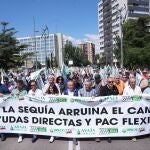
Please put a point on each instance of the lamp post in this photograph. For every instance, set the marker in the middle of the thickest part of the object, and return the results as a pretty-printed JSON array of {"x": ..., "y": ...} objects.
[
  {"x": 34, "y": 31},
  {"x": 121, "y": 21},
  {"x": 45, "y": 35}
]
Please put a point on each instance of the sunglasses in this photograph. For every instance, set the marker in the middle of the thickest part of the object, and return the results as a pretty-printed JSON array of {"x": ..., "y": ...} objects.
[
  {"x": 110, "y": 81},
  {"x": 33, "y": 85}
]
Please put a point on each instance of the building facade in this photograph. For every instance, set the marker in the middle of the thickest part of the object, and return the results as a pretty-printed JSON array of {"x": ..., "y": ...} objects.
[
  {"x": 109, "y": 12},
  {"x": 51, "y": 45},
  {"x": 88, "y": 49}
]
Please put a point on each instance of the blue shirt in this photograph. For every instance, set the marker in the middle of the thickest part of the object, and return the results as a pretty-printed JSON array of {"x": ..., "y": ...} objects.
[{"x": 4, "y": 89}]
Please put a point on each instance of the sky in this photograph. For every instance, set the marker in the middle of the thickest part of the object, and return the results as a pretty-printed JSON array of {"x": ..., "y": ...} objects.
[{"x": 76, "y": 19}]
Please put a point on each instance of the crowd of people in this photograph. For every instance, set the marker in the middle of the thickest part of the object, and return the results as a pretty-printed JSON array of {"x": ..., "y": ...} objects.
[{"x": 76, "y": 84}]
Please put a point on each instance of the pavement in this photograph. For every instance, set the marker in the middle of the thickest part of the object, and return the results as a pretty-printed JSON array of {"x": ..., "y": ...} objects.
[{"x": 143, "y": 143}]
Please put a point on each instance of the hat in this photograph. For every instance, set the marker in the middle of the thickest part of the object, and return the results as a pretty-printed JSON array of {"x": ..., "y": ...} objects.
[{"x": 97, "y": 76}]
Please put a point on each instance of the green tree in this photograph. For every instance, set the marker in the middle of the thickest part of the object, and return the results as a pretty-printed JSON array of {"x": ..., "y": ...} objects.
[
  {"x": 39, "y": 66},
  {"x": 73, "y": 53},
  {"x": 136, "y": 43},
  {"x": 10, "y": 48}
]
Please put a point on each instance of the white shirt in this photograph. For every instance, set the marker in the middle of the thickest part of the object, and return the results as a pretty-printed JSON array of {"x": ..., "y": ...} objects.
[
  {"x": 36, "y": 93},
  {"x": 129, "y": 91},
  {"x": 70, "y": 93}
]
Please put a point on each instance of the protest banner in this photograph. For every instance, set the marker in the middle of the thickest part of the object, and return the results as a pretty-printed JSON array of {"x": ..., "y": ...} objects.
[{"x": 76, "y": 117}]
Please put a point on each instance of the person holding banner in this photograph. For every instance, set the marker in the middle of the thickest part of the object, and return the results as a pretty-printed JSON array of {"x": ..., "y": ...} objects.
[
  {"x": 132, "y": 89},
  {"x": 52, "y": 90},
  {"x": 3, "y": 91},
  {"x": 108, "y": 90},
  {"x": 19, "y": 92},
  {"x": 34, "y": 92},
  {"x": 71, "y": 91}
]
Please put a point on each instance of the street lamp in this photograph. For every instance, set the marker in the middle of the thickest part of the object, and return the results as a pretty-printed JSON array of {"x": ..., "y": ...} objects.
[
  {"x": 34, "y": 32},
  {"x": 121, "y": 21},
  {"x": 45, "y": 35}
]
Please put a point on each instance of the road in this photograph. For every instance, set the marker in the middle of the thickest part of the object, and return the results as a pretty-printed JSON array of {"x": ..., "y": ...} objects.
[{"x": 63, "y": 144}]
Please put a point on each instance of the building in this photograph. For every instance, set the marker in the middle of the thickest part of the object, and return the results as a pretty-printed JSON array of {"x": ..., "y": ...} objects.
[
  {"x": 109, "y": 18},
  {"x": 52, "y": 45},
  {"x": 88, "y": 49}
]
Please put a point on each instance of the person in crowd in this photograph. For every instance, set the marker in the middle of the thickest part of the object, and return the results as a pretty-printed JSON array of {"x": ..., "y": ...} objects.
[
  {"x": 43, "y": 78},
  {"x": 19, "y": 91},
  {"x": 51, "y": 81},
  {"x": 98, "y": 84},
  {"x": 52, "y": 90},
  {"x": 87, "y": 90},
  {"x": 144, "y": 81},
  {"x": 3, "y": 91},
  {"x": 71, "y": 91},
  {"x": 77, "y": 82},
  {"x": 125, "y": 79},
  {"x": 119, "y": 84},
  {"x": 147, "y": 89},
  {"x": 108, "y": 90},
  {"x": 61, "y": 84},
  {"x": 34, "y": 92},
  {"x": 132, "y": 89},
  {"x": 34, "y": 89}
]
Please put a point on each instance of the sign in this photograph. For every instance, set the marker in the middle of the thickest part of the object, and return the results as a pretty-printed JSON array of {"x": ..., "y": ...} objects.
[{"x": 76, "y": 117}]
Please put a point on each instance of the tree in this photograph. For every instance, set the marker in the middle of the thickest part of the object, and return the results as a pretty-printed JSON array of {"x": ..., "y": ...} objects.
[
  {"x": 73, "y": 53},
  {"x": 39, "y": 66},
  {"x": 136, "y": 43},
  {"x": 10, "y": 48}
]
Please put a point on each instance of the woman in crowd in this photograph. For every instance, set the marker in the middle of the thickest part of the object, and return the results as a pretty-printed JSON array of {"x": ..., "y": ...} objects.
[
  {"x": 52, "y": 90},
  {"x": 61, "y": 84}
]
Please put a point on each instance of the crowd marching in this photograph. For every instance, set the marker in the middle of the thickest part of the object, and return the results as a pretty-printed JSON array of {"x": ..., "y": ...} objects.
[{"x": 74, "y": 81}]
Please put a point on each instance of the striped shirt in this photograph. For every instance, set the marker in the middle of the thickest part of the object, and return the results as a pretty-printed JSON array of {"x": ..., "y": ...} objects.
[{"x": 84, "y": 93}]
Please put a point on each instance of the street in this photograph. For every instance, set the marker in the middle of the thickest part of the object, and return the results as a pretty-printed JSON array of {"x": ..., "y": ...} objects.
[{"x": 143, "y": 143}]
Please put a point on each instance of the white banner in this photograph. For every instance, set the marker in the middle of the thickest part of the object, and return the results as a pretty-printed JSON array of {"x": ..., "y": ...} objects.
[{"x": 76, "y": 117}]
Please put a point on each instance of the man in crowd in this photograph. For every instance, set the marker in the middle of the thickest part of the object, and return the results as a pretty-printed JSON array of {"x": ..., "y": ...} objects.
[
  {"x": 71, "y": 91},
  {"x": 147, "y": 90},
  {"x": 119, "y": 84},
  {"x": 109, "y": 89},
  {"x": 97, "y": 84},
  {"x": 34, "y": 92},
  {"x": 132, "y": 89},
  {"x": 87, "y": 90},
  {"x": 3, "y": 91},
  {"x": 19, "y": 92},
  {"x": 125, "y": 79}
]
